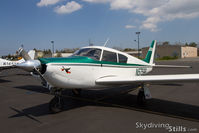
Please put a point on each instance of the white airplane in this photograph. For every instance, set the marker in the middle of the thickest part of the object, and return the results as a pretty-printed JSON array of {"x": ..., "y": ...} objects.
[
  {"x": 6, "y": 64},
  {"x": 99, "y": 67}
]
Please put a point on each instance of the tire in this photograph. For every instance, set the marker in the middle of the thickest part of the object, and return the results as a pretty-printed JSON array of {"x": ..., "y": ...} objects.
[
  {"x": 141, "y": 100},
  {"x": 76, "y": 92},
  {"x": 56, "y": 105}
]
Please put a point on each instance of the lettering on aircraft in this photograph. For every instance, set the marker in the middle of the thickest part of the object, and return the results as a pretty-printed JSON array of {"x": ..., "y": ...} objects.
[
  {"x": 140, "y": 71},
  {"x": 9, "y": 63}
]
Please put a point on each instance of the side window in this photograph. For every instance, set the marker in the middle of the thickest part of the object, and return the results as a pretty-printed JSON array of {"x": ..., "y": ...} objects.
[
  {"x": 109, "y": 56},
  {"x": 122, "y": 58}
]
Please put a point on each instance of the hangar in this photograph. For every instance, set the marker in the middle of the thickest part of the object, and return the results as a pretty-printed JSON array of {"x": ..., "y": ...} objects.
[{"x": 173, "y": 51}]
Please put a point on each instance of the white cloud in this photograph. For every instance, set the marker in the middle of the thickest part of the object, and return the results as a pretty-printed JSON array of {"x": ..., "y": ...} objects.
[
  {"x": 130, "y": 26},
  {"x": 122, "y": 4},
  {"x": 97, "y": 1},
  {"x": 47, "y": 2},
  {"x": 155, "y": 11},
  {"x": 68, "y": 8}
]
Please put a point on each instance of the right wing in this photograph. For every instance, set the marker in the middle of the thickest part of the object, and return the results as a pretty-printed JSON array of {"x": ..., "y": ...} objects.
[{"x": 114, "y": 80}]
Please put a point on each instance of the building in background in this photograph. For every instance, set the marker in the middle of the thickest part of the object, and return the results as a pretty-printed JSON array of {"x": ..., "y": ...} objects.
[
  {"x": 41, "y": 54},
  {"x": 62, "y": 54},
  {"x": 177, "y": 51},
  {"x": 134, "y": 53}
]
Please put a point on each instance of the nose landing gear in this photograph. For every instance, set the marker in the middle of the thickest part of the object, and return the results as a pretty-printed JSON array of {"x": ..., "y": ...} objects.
[
  {"x": 77, "y": 92},
  {"x": 56, "y": 105}
]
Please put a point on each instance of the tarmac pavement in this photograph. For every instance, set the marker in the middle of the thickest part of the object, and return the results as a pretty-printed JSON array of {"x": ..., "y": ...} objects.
[{"x": 24, "y": 106}]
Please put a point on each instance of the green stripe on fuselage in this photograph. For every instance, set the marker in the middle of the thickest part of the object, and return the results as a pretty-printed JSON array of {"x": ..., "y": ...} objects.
[{"x": 81, "y": 59}]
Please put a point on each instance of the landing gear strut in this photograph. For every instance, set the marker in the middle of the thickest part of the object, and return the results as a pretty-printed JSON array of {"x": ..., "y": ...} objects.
[
  {"x": 143, "y": 95},
  {"x": 76, "y": 92},
  {"x": 56, "y": 105}
]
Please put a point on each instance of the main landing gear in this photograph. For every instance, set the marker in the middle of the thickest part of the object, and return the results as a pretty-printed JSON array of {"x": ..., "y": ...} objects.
[
  {"x": 143, "y": 95},
  {"x": 56, "y": 105},
  {"x": 76, "y": 92}
]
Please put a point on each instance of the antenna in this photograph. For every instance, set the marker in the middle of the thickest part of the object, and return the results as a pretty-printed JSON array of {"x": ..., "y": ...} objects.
[
  {"x": 106, "y": 42},
  {"x": 90, "y": 44}
]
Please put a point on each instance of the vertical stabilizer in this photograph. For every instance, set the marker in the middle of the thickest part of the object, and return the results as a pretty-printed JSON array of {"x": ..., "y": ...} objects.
[
  {"x": 27, "y": 56},
  {"x": 151, "y": 53},
  {"x": 31, "y": 53}
]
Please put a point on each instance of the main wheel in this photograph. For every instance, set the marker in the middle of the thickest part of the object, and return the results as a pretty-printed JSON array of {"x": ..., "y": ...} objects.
[
  {"x": 141, "y": 100},
  {"x": 56, "y": 105},
  {"x": 76, "y": 92}
]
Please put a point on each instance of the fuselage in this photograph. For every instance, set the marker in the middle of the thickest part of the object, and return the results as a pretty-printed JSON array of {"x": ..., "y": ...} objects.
[
  {"x": 82, "y": 69},
  {"x": 7, "y": 63}
]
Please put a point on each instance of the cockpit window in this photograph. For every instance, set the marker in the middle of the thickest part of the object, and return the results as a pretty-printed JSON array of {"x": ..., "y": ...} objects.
[
  {"x": 122, "y": 58},
  {"x": 109, "y": 56},
  {"x": 93, "y": 53}
]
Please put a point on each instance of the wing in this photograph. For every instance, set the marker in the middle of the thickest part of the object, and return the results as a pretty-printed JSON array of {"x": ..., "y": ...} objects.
[{"x": 114, "y": 80}]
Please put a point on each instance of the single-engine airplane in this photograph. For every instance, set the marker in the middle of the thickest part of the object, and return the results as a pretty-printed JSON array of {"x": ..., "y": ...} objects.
[
  {"x": 6, "y": 64},
  {"x": 99, "y": 67}
]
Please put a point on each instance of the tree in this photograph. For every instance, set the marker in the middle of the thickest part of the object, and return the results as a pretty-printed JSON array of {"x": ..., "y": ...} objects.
[
  {"x": 192, "y": 44},
  {"x": 129, "y": 49},
  {"x": 59, "y": 54},
  {"x": 165, "y": 43}
]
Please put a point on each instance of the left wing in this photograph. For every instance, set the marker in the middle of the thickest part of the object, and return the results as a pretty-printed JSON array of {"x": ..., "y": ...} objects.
[{"x": 114, "y": 80}]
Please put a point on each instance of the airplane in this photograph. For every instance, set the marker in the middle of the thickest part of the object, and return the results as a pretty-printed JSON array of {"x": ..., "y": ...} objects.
[
  {"x": 100, "y": 67},
  {"x": 7, "y": 64}
]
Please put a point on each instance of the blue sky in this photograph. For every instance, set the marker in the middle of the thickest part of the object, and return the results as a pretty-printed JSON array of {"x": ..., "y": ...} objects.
[{"x": 71, "y": 23}]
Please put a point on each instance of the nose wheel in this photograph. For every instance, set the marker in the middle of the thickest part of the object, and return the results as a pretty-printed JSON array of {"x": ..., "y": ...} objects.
[
  {"x": 77, "y": 92},
  {"x": 56, "y": 105},
  {"x": 141, "y": 100}
]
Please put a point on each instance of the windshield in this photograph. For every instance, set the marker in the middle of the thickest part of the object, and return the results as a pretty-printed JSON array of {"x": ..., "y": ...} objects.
[{"x": 93, "y": 53}]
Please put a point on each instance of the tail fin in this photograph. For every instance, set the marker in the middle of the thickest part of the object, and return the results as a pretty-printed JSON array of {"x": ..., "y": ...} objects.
[
  {"x": 27, "y": 56},
  {"x": 31, "y": 53},
  {"x": 151, "y": 53}
]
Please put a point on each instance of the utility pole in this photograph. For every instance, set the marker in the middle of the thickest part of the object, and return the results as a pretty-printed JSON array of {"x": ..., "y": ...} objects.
[
  {"x": 138, "y": 34},
  {"x": 52, "y": 48}
]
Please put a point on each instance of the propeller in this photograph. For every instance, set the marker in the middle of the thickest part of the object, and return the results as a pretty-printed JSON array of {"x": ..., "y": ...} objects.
[{"x": 35, "y": 67}]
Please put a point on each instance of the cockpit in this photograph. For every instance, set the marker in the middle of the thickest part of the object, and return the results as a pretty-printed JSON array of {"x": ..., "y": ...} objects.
[
  {"x": 102, "y": 55},
  {"x": 93, "y": 53}
]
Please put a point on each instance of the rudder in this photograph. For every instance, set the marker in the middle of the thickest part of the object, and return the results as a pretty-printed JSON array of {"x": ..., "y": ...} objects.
[{"x": 151, "y": 53}]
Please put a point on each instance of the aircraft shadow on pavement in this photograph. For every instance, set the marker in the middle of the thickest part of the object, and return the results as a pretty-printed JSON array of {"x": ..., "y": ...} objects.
[
  {"x": 3, "y": 80},
  {"x": 33, "y": 88},
  {"x": 112, "y": 98},
  {"x": 23, "y": 74}
]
